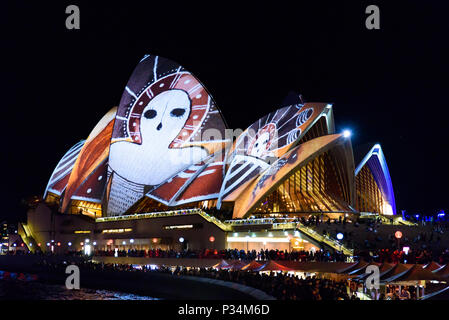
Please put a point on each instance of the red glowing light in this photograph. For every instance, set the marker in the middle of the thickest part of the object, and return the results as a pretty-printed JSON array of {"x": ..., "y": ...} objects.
[
  {"x": 398, "y": 234},
  {"x": 211, "y": 238}
]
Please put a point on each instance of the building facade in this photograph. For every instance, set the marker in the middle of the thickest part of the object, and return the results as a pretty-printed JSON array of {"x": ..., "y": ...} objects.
[{"x": 163, "y": 167}]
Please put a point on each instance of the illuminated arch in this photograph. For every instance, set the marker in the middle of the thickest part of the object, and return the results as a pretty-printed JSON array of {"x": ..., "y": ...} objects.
[{"x": 374, "y": 167}]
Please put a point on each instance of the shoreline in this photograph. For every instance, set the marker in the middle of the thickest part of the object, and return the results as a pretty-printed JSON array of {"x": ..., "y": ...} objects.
[{"x": 153, "y": 284}]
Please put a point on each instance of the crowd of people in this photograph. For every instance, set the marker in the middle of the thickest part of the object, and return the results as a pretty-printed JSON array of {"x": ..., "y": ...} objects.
[
  {"x": 420, "y": 256},
  {"x": 230, "y": 254},
  {"x": 377, "y": 238},
  {"x": 279, "y": 285},
  {"x": 283, "y": 286}
]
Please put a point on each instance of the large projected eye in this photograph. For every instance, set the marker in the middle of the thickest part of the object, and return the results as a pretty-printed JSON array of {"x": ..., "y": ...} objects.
[
  {"x": 150, "y": 114},
  {"x": 178, "y": 112}
]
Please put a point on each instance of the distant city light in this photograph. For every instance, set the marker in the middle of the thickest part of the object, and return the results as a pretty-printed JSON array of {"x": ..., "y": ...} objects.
[
  {"x": 339, "y": 236},
  {"x": 398, "y": 234},
  {"x": 69, "y": 244},
  {"x": 131, "y": 240},
  {"x": 181, "y": 239},
  {"x": 347, "y": 133},
  {"x": 211, "y": 238},
  {"x": 406, "y": 249}
]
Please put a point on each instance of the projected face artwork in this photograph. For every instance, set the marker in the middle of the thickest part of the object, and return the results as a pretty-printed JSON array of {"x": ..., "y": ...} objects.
[
  {"x": 161, "y": 121},
  {"x": 265, "y": 141},
  {"x": 157, "y": 131},
  {"x": 260, "y": 145}
]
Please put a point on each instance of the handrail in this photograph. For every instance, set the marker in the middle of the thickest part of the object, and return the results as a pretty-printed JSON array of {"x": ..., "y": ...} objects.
[
  {"x": 329, "y": 241},
  {"x": 286, "y": 223},
  {"x": 215, "y": 221},
  {"x": 257, "y": 221},
  {"x": 161, "y": 214}
]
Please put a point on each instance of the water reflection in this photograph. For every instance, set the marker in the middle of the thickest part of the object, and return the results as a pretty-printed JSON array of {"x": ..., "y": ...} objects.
[{"x": 14, "y": 290}]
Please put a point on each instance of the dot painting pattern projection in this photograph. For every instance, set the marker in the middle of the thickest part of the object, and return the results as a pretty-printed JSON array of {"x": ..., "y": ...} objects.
[
  {"x": 264, "y": 142},
  {"x": 158, "y": 132}
]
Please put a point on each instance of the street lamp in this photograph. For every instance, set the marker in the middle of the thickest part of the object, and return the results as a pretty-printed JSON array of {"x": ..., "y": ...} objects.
[
  {"x": 340, "y": 237},
  {"x": 398, "y": 235},
  {"x": 347, "y": 133},
  {"x": 212, "y": 240}
]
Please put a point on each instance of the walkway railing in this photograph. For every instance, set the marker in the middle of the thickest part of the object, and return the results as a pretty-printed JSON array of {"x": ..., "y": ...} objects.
[
  {"x": 277, "y": 224},
  {"x": 290, "y": 223},
  {"x": 172, "y": 213},
  {"x": 321, "y": 238}
]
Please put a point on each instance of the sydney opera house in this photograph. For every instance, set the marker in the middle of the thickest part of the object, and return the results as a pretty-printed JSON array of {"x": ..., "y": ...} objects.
[{"x": 163, "y": 170}]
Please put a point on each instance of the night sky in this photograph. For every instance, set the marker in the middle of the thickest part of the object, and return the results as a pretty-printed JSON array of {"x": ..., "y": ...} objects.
[{"x": 387, "y": 86}]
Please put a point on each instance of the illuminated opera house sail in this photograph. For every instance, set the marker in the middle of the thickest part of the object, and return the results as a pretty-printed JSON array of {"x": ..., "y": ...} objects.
[
  {"x": 166, "y": 147},
  {"x": 373, "y": 184}
]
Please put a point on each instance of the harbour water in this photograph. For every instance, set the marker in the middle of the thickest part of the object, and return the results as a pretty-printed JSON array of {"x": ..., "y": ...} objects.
[{"x": 18, "y": 290}]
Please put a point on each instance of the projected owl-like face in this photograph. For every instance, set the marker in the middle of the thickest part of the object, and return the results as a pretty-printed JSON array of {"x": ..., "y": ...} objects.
[
  {"x": 261, "y": 145},
  {"x": 164, "y": 117}
]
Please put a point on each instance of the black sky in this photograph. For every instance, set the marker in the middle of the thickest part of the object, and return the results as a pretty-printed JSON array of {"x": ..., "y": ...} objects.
[{"x": 387, "y": 85}]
